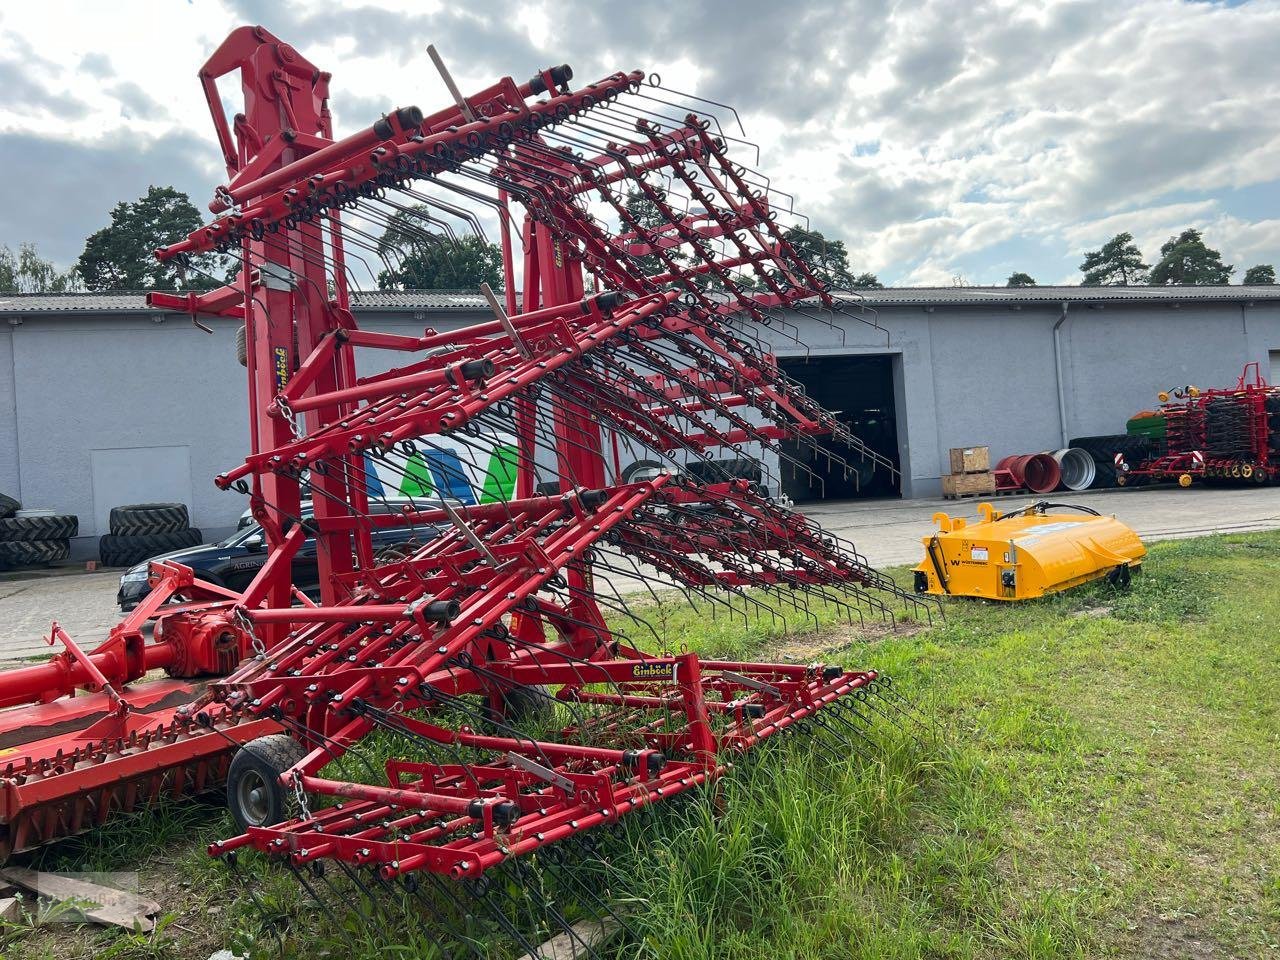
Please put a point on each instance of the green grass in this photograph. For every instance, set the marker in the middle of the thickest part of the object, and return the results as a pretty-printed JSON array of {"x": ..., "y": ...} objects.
[{"x": 1107, "y": 784}]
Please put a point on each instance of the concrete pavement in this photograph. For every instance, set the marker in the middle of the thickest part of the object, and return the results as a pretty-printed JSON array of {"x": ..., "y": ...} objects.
[{"x": 887, "y": 532}]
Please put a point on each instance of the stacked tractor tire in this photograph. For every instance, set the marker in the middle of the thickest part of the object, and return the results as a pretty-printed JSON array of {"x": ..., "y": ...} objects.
[
  {"x": 33, "y": 538},
  {"x": 1103, "y": 449},
  {"x": 144, "y": 530}
]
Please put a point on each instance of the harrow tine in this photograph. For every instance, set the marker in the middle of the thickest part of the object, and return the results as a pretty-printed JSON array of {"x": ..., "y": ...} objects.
[
  {"x": 549, "y": 907},
  {"x": 478, "y": 892}
]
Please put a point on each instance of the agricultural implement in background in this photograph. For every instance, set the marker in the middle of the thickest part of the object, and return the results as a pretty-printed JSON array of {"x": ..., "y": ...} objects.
[
  {"x": 1026, "y": 553},
  {"x": 527, "y": 699},
  {"x": 1228, "y": 435}
]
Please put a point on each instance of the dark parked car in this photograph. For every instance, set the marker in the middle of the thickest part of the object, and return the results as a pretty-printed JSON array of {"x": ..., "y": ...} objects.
[{"x": 234, "y": 562}]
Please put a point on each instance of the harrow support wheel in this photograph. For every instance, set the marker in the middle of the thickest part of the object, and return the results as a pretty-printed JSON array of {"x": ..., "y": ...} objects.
[
  {"x": 1122, "y": 479},
  {"x": 530, "y": 706},
  {"x": 255, "y": 795}
]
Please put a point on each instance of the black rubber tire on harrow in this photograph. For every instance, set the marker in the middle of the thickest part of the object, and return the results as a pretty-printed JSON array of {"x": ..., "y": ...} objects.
[
  {"x": 38, "y": 528},
  {"x": 33, "y": 553},
  {"x": 140, "y": 519},
  {"x": 255, "y": 796},
  {"x": 640, "y": 466},
  {"x": 116, "y": 551},
  {"x": 521, "y": 706},
  {"x": 8, "y": 505}
]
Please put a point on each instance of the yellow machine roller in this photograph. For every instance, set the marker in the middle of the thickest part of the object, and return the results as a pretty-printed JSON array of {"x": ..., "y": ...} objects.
[{"x": 1027, "y": 553}]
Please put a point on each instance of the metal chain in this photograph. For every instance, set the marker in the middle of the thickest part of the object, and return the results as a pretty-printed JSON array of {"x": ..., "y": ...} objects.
[
  {"x": 255, "y": 642},
  {"x": 290, "y": 417},
  {"x": 300, "y": 795}
]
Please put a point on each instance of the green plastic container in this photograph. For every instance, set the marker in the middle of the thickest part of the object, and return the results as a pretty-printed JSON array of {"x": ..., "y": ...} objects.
[{"x": 1153, "y": 428}]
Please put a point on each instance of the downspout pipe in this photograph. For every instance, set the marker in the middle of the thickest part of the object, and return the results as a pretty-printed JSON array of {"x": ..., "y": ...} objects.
[{"x": 1057, "y": 369}]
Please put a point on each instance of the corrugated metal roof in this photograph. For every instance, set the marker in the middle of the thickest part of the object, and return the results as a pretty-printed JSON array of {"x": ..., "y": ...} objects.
[
  {"x": 135, "y": 302},
  {"x": 466, "y": 301},
  {"x": 948, "y": 296}
]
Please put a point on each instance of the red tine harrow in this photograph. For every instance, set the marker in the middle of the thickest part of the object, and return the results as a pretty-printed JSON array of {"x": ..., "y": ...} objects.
[{"x": 489, "y": 689}]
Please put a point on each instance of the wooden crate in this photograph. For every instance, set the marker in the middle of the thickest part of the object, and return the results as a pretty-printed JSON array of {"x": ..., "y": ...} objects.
[
  {"x": 969, "y": 484},
  {"x": 970, "y": 460}
]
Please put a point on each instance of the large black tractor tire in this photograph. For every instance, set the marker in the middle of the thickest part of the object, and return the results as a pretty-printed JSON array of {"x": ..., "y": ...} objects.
[
  {"x": 1104, "y": 475},
  {"x": 116, "y": 551},
  {"x": 8, "y": 505},
  {"x": 255, "y": 795},
  {"x": 1103, "y": 449},
  {"x": 33, "y": 553},
  {"x": 140, "y": 519},
  {"x": 38, "y": 528}
]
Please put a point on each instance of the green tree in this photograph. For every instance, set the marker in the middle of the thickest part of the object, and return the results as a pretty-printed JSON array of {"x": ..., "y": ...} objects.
[
  {"x": 648, "y": 217},
  {"x": 420, "y": 259},
  {"x": 1117, "y": 264},
  {"x": 828, "y": 259},
  {"x": 1185, "y": 259},
  {"x": 121, "y": 256},
  {"x": 1263, "y": 275},
  {"x": 27, "y": 272},
  {"x": 866, "y": 281},
  {"x": 1020, "y": 279}
]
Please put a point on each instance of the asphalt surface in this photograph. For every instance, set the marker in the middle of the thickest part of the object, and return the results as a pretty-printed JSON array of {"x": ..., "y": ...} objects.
[{"x": 886, "y": 532}]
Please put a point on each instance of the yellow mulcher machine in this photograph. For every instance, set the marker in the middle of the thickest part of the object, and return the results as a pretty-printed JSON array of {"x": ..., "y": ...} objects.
[{"x": 1026, "y": 553}]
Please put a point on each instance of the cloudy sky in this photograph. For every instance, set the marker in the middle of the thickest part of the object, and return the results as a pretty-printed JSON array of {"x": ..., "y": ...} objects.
[{"x": 938, "y": 139}]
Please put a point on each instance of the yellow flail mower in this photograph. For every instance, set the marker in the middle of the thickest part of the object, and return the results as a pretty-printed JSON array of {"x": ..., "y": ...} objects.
[{"x": 1026, "y": 553}]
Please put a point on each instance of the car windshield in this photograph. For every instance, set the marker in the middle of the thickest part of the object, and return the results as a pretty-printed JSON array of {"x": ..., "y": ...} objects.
[{"x": 238, "y": 538}]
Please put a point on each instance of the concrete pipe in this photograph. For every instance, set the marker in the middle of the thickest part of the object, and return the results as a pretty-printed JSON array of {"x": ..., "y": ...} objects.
[
  {"x": 1077, "y": 468},
  {"x": 1038, "y": 472}
]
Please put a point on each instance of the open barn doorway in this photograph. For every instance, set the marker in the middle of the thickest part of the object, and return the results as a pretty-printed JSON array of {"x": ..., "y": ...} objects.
[{"x": 859, "y": 390}]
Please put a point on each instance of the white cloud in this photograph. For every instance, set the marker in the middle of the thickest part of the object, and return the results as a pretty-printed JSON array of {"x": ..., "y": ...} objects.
[{"x": 932, "y": 137}]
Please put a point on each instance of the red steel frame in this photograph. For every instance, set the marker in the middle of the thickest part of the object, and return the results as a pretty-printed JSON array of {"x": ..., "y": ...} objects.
[
  {"x": 1186, "y": 456},
  {"x": 500, "y": 596}
]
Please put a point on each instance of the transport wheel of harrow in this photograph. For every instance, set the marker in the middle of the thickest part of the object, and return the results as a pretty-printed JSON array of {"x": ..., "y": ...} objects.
[
  {"x": 642, "y": 470},
  {"x": 140, "y": 519},
  {"x": 519, "y": 707},
  {"x": 1260, "y": 475},
  {"x": 1122, "y": 480},
  {"x": 255, "y": 795},
  {"x": 39, "y": 528},
  {"x": 8, "y": 505},
  {"x": 242, "y": 345}
]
